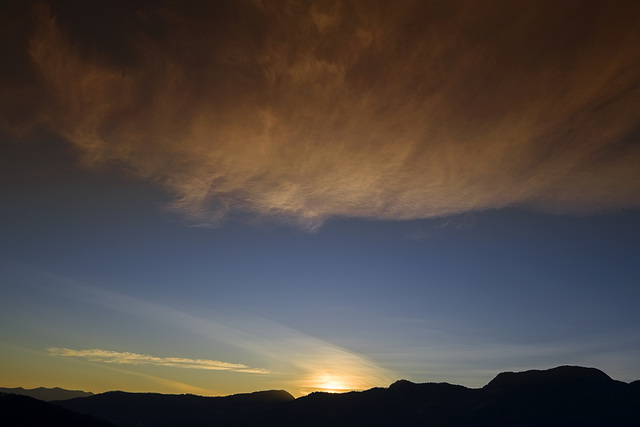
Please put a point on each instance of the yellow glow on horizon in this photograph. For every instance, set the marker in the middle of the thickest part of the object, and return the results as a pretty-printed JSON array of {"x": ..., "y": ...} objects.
[{"x": 331, "y": 383}]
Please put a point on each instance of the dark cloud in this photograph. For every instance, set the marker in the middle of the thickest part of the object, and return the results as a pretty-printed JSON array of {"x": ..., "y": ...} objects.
[{"x": 307, "y": 110}]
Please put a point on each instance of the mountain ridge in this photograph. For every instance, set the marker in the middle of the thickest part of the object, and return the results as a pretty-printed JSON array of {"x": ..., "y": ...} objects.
[
  {"x": 25, "y": 411},
  {"x": 156, "y": 409},
  {"x": 565, "y": 395},
  {"x": 47, "y": 394}
]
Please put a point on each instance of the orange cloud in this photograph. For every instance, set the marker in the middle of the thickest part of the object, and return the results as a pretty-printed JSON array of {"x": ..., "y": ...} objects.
[{"x": 303, "y": 112}]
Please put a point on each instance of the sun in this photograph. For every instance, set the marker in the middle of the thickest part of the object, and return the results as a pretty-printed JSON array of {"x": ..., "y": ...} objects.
[{"x": 331, "y": 384}]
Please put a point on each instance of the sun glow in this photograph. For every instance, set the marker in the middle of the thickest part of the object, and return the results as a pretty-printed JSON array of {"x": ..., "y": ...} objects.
[{"x": 332, "y": 384}]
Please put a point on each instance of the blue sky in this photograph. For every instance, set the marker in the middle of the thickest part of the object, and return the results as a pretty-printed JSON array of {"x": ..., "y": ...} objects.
[
  {"x": 330, "y": 202},
  {"x": 93, "y": 260}
]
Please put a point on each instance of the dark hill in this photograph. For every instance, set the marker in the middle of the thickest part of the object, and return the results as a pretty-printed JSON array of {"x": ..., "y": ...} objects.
[
  {"x": 24, "y": 411},
  {"x": 157, "y": 410},
  {"x": 403, "y": 403},
  {"x": 567, "y": 395},
  {"x": 562, "y": 375},
  {"x": 563, "y": 396},
  {"x": 47, "y": 394}
]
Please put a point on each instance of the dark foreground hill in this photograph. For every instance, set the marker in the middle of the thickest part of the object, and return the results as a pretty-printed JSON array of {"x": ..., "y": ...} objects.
[
  {"x": 563, "y": 396},
  {"x": 47, "y": 394},
  {"x": 24, "y": 411},
  {"x": 157, "y": 410}
]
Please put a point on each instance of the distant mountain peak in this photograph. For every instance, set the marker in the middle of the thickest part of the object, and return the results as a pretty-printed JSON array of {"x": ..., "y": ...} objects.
[
  {"x": 562, "y": 374},
  {"x": 47, "y": 394},
  {"x": 401, "y": 384}
]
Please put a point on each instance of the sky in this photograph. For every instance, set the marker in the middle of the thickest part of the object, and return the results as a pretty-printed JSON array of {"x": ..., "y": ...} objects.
[{"x": 230, "y": 196}]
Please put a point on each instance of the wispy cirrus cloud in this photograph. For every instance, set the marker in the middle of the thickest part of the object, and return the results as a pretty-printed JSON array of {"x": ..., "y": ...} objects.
[
  {"x": 127, "y": 358},
  {"x": 303, "y": 111},
  {"x": 292, "y": 355}
]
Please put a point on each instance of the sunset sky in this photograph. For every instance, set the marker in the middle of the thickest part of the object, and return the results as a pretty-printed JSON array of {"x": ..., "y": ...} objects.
[{"x": 229, "y": 196}]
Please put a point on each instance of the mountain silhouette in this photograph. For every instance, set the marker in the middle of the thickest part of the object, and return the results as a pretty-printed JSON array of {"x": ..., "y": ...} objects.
[
  {"x": 25, "y": 411},
  {"x": 47, "y": 394},
  {"x": 562, "y": 396},
  {"x": 154, "y": 409},
  {"x": 567, "y": 395}
]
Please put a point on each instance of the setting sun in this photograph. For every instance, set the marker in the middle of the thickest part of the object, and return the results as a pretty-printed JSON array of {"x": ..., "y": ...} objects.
[{"x": 329, "y": 383}]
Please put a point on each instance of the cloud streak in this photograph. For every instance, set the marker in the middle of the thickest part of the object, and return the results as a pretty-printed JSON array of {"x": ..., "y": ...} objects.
[
  {"x": 126, "y": 358},
  {"x": 303, "y": 111},
  {"x": 293, "y": 356}
]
